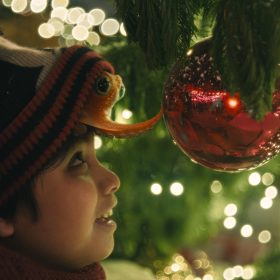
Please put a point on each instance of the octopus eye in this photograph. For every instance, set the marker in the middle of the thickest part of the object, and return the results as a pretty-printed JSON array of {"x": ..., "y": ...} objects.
[{"x": 102, "y": 86}]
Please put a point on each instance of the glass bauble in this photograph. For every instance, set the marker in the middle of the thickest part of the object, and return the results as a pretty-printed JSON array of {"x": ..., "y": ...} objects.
[{"x": 212, "y": 126}]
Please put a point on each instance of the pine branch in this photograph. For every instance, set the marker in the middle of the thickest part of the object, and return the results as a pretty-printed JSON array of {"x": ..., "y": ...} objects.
[
  {"x": 163, "y": 28},
  {"x": 246, "y": 49}
]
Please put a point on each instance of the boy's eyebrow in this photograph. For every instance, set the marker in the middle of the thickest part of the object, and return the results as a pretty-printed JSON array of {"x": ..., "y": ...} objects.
[{"x": 78, "y": 141}]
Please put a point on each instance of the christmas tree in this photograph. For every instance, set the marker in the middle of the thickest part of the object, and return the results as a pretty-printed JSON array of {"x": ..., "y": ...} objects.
[{"x": 178, "y": 218}]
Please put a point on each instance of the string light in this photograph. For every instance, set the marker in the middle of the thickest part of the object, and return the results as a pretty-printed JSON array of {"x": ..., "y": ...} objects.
[
  {"x": 80, "y": 33},
  {"x": 38, "y": 6},
  {"x": 86, "y": 20},
  {"x": 97, "y": 142},
  {"x": 59, "y": 12},
  {"x": 98, "y": 15},
  {"x": 266, "y": 203},
  {"x": 126, "y": 114},
  {"x": 254, "y": 178},
  {"x": 122, "y": 29},
  {"x": 271, "y": 192},
  {"x": 267, "y": 179},
  {"x": 176, "y": 188},
  {"x": 264, "y": 236},
  {"x": 246, "y": 231},
  {"x": 59, "y": 3},
  {"x": 110, "y": 27},
  {"x": 57, "y": 25},
  {"x": 237, "y": 271},
  {"x": 19, "y": 6},
  {"x": 72, "y": 19},
  {"x": 7, "y": 3},
  {"x": 229, "y": 222},
  {"x": 216, "y": 186},
  {"x": 156, "y": 189},
  {"x": 93, "y": 38},
  {"x": 179, "y": 269},
  {"x": 74, "y": 14},
  {"x": 246, "y": 272},
  {"x": 230, "y": 209},
  {"x": 46, "y": 30}
]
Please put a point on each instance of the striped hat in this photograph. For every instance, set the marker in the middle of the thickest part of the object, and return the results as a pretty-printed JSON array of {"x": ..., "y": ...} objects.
[{"x": 42, "y": 93}]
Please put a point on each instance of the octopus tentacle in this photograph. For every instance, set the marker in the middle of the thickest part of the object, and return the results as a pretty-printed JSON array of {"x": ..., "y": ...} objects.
[
  {"x": 97, "y": 112},
  {"x": 111, "y": 128}
]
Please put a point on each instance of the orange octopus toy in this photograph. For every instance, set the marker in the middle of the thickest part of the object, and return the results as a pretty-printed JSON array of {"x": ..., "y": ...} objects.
[{"x": 97, "y": 113}]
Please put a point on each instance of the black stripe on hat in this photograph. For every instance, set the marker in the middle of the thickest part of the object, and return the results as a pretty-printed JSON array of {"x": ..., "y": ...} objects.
[
  {"x": 18, "y": 85},
  {"x": 45, "y": 106},
  {"x": 48, "y": 139}
]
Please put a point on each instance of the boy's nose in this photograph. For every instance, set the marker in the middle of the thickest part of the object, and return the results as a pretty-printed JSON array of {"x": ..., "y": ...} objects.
[{"x": 110, "y": 183}]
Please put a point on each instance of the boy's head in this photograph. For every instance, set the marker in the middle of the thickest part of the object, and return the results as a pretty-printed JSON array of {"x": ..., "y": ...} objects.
[{"x": 51, "y": 102}]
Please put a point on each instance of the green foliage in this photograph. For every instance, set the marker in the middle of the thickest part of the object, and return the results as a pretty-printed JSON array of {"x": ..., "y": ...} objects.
[
  {"x": 163, "y": 29},
  {"x": 246, "y": 39},
  {"x": 268, "y": 267},
  {"x": 154, "y": 227},
  {"x": 247, "y": 50}
]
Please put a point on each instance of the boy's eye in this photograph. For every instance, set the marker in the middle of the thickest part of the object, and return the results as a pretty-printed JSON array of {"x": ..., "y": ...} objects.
[{"x": 77, "y": 160}]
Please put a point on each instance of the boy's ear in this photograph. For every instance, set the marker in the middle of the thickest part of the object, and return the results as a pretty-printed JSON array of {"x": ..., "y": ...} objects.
[{"x": 6, "y": 228}]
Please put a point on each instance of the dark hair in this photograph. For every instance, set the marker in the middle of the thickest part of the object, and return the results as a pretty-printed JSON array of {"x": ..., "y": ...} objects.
[{"x": 25, "y": 196}]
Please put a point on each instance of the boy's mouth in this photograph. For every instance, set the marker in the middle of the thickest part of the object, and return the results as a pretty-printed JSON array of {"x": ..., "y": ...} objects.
[{"x": 105, "y": 217}]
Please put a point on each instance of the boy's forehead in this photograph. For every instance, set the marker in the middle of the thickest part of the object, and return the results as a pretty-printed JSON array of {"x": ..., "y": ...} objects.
[{"x": 81, "y": 134}]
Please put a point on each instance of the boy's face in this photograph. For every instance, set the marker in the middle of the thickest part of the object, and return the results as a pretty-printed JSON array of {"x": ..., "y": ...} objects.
[{"x": 72, "y": 196}]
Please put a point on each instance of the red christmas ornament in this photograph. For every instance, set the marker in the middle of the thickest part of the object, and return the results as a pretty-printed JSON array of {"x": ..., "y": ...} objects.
[{"x": 211, "y": 126}]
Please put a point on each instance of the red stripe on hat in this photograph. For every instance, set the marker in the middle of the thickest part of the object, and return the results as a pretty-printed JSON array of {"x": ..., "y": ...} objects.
[
  {"x": 43, "y": 91},
  {"x": 38, "y": 132},
  {"x": 51, "y": 149}
]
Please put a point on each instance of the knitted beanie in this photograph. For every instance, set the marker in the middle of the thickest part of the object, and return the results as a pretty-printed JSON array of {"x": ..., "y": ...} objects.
[{"x": 42, "y": 93}]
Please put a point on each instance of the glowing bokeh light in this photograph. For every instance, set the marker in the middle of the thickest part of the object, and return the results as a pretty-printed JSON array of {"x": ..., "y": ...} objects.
[
  {"x": 98, "y": 15},
  {"x": 230, "y": 209},
  {"x": 38, "y": 6},
  {"x": 248, "y": 272},
  {"x": 216, "y": 186},
  {"x": 246, "y": 231},
  {"x": 93, "y": 38},
  {"x": 110, "y": 27},
  {"x": 80, "y": 32},
  {"x": 266, "y": 203},
  {"x": 237, "y": 271},
  {"x": 207, "y": 277},
  {"x": 86, "y": 20},
  {"x": 264, "y": 236},
  {"x": 19, "y": 6},
  {"x": 59, "y": 12},
  {"x": 74, "y": 14},
  {"x": 254, "y": 178},
  {"x": 122, "y": 29},
  {"x": 176, "y": 188},
  {"x": 59, "y": 3},
  {"x": 58, "y": 25},
  {"x": 126, "y": 114},
  {"x": 46, "y": 30},
  {"x": 7, "y": 3},
  {"x": 271, "y": 192},
  {"x": 228, "y": 273},
  {"x": 229, "y": 222},
  {"x": 156, "y": 189},
  {"x": 267, "y": 179},
  {"x": 97, "y": 142}
]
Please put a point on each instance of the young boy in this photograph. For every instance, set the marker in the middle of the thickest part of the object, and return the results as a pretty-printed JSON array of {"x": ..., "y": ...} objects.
[{"x": 56, "y": 198}]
